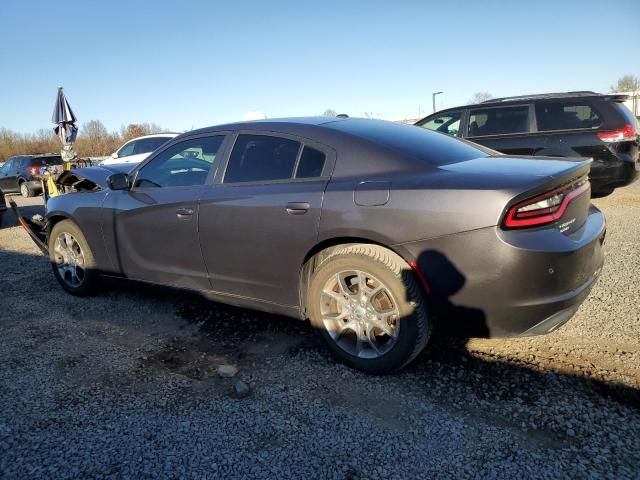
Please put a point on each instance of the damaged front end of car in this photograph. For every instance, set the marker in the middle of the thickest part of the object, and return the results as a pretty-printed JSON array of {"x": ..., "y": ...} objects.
[{"x": 76, "y": 180}]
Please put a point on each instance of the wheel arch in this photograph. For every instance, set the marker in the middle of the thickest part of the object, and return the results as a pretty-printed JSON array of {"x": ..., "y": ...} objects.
[{"x": 326, "y": 247}]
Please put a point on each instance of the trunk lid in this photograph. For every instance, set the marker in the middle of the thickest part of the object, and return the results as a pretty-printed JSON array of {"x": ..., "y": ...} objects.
[{"x": 530, "y": 180}]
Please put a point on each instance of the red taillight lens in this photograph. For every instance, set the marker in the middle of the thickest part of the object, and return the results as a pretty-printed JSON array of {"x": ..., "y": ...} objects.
[
  {"x": 545, "y": 208},
  {"x": 33, "y": 170},
  {"x": 628, "y": 132}
]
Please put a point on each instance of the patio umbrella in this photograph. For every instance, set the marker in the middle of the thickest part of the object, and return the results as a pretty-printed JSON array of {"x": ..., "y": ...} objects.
[{"x": 64, "y": 119}]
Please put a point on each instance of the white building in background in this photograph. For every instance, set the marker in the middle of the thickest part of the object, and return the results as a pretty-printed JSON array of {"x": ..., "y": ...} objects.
[{"x": 633, "y": 102}]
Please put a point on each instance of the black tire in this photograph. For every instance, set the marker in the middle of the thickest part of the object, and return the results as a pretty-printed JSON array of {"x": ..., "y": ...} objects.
[
  {"x": 89, "y": 282},
  {"x": 404, "y": 287},
  {"x": 25, "y": 190}
]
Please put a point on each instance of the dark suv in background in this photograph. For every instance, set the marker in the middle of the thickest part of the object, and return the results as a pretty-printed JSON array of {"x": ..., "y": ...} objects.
[
  {"x": 19, "y": 173},
  {"x": 573, "y": 124}
]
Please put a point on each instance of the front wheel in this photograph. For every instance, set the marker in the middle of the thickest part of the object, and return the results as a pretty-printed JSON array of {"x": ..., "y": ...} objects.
[
  {"x": 368, "y": 306},
  {"x": 72, "y": 260}
]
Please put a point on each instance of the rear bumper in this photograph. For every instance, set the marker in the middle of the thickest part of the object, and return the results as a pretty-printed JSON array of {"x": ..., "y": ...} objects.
[
  {"x": 613, "y": 172},
  {"x": 494, "y": 283}
]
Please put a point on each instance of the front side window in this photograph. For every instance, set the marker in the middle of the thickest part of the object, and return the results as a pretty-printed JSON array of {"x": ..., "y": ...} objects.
[
  {"x": 498, "y": 121},
  {"x": 565, "y": 116},
  {"x": 127, "y": 149},
  {"x": 260, "y": 158},
  {"x": 446, "y": 123},
  {"x": 184, "y": 164},
  {"x": 146, "y": 145}
]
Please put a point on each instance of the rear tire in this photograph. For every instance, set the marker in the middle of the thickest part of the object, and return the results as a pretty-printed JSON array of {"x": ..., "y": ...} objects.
[
  {"x": 72, "y": 260},
  {"x": 369, "y": 307},
  {"x": 25, "y": 191}
]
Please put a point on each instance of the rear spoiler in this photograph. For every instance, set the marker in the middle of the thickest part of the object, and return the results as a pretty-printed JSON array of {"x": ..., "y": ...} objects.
[
  {"x": 30, "y": 228},
  {"x": 617, "y": 97}
]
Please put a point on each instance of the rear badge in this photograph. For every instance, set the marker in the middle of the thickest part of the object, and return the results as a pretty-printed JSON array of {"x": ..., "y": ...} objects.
[{"x": 563, "y": 227}]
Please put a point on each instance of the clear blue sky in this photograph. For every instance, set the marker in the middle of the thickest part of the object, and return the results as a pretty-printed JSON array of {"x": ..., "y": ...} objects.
[{"x": 196, "y": 63}]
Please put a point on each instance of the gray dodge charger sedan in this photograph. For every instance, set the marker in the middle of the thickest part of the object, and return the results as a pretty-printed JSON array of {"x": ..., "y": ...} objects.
[{"x": 376, "y": 232}]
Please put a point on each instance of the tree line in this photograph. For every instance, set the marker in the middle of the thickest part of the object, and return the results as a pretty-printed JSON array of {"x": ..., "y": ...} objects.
[{"x": 94, "y": 140}]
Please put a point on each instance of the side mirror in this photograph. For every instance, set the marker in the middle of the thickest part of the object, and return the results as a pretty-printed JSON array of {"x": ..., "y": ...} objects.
[
  {"x": 114, "y": 155},
  {"x": 118, "y": 181}
]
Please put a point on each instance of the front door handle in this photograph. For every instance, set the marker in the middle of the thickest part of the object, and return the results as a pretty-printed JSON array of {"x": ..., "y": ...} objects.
[
  {"x": 298, "y": 208},
  {"x": 184, "y": 213}
]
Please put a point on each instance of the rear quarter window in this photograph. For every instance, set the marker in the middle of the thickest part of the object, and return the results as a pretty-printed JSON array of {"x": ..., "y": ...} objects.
[{"x": 566, "y": 116}]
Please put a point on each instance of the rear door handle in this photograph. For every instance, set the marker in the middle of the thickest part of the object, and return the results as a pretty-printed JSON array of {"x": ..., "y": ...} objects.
[
  {"x": 298, "y": 208},
  {"x": 184, "y": 213}
]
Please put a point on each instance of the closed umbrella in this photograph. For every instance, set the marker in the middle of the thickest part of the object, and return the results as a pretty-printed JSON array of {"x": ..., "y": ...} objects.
[{"x": 65, "y": 128}]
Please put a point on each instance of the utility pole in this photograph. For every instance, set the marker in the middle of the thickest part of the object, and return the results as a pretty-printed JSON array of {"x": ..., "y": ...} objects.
[{"x": 433, "y": 99}]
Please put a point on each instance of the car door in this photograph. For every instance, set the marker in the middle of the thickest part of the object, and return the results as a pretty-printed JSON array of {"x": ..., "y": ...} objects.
[
  {"x": 261, "y": 218},
  {"x": 151, "y": 228},
  {"x": 506, "y": 129}
]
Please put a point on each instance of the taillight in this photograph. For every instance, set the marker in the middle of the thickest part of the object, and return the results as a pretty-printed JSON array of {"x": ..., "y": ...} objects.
[
  {"x": 628, "y": 132},
  {"x": 33, "y": 170},
  {"x": 545, "y": 208}
]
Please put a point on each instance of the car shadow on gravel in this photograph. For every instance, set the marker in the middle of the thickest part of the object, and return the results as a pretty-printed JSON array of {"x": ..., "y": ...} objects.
[{"x": 227, "y": 334}]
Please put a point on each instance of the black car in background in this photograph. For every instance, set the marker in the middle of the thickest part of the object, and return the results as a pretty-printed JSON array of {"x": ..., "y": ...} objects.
[
  {"x": 18, "y": 174},
  {"x": 573, "y": 124}
]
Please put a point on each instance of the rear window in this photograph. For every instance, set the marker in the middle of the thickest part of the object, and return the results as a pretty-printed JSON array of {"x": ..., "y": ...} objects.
[
  {"x": 260, "y": 158},
  {"x": 46, "y": 161},
  {"x": 416, "y": 142},
  {"x": 498, "y": 121},
  {"x": 565, "y": 116}
]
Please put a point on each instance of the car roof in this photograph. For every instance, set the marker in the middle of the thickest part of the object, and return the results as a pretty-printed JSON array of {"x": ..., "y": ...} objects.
[
  {"x": 156, "y": 135},
  {"x": 553, "y": 96},
  {"x": 493, "y": 102}
]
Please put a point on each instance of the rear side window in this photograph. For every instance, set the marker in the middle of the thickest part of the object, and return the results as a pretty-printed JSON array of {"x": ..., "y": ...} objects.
[
  {"x": 260, "y": 158},
  {"x": 565, "y": 116},
  {"x": 311, "y": 163},
  {"x": 498, "y": 121}
]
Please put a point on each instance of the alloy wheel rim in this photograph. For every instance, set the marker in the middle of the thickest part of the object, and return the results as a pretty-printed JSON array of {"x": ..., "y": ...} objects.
[
  {"x": 69, "y": 259},
  {"x": 360, "y": 314},
  {"x": 23, "y": 190}
]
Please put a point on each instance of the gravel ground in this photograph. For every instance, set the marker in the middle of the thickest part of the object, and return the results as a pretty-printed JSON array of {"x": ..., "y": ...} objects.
[{"x": 124, "y": 385}]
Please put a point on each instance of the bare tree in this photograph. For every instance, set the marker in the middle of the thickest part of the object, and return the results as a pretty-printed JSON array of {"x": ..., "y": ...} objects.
[
  {"x": 628, "y": 83},
  {"x": 329, "y": 113},
  {"x": 480, "y": 97}
]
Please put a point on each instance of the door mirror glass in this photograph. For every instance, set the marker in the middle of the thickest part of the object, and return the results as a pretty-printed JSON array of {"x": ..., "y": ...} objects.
[{"x": 118, "y": 181}]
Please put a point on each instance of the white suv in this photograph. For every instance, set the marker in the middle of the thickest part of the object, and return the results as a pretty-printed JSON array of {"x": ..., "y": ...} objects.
[{"x": 136, "y": 150}]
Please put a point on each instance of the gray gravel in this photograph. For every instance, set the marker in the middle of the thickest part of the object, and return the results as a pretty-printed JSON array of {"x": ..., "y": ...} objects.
[{"x": 125, "y": 385}]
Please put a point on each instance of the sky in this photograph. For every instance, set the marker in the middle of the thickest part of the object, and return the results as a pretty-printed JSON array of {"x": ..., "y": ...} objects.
[{"x": 191, "y": 64}]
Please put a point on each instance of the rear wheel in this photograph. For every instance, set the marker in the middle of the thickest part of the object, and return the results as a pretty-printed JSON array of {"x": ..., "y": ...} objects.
[
  {"x": 25, "y": 191},
  {"x": 72, "y": 260},
  {"x": 369, "y": 308}
]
